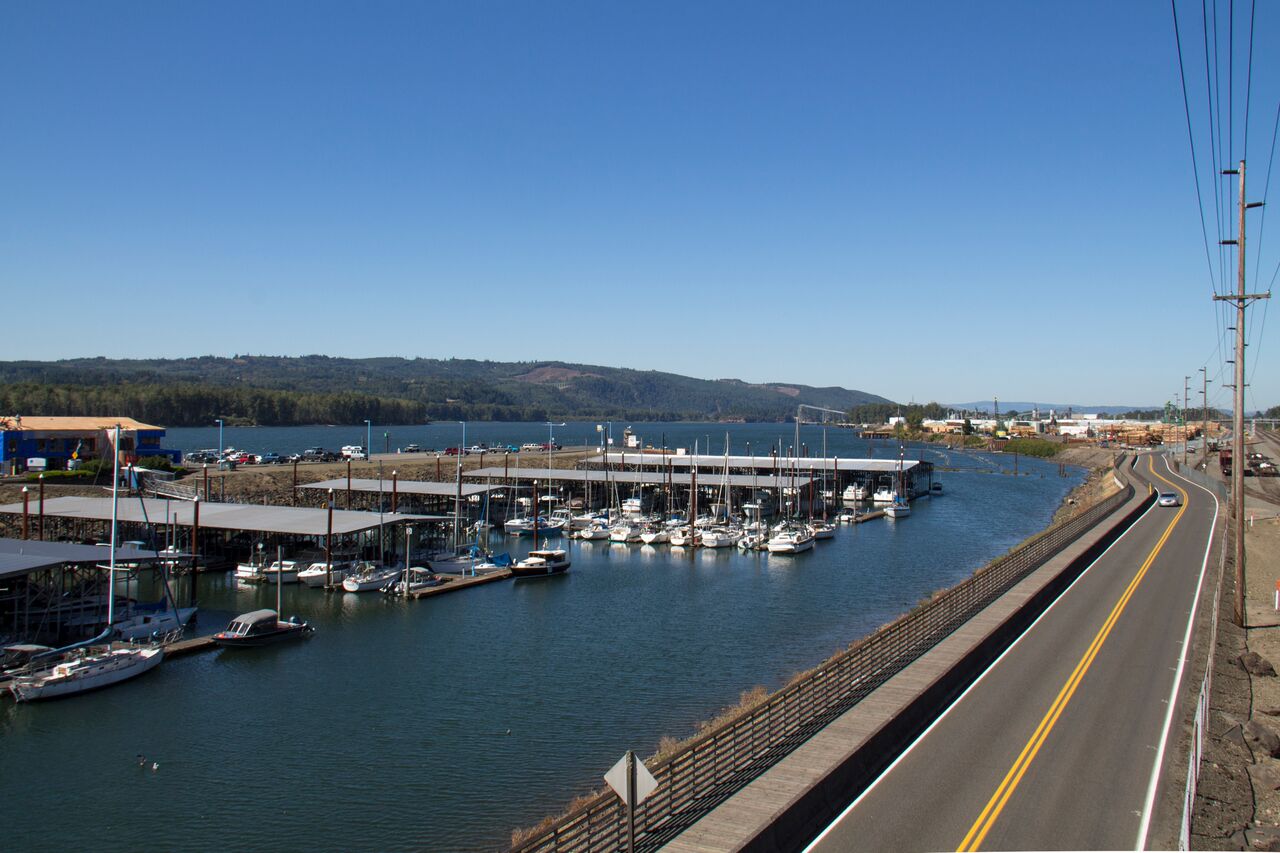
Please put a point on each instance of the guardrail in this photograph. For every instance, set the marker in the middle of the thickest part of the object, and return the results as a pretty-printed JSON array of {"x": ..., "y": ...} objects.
[{"x": 718, "y": 763}]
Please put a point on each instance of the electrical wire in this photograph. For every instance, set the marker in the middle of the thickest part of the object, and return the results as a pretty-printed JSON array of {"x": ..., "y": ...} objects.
[{"x": 1195, "y": 168}]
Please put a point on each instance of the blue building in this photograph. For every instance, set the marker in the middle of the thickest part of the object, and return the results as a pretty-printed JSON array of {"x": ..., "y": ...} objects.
[{"x": 24, "y": 441}]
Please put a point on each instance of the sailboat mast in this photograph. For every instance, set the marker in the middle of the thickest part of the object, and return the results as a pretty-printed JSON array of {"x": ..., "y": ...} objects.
[{"x": 115, "y": 518}]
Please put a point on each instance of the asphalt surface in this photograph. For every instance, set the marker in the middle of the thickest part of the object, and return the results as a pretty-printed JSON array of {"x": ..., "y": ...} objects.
[{"x": 1056, "y": 744}]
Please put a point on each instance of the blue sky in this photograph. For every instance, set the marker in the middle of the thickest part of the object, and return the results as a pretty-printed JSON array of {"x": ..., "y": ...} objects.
[{"x": 923, "y": 200}]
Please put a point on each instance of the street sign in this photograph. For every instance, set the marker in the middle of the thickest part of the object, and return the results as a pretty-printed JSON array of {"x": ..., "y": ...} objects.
[{"x": 619, "y": 780}]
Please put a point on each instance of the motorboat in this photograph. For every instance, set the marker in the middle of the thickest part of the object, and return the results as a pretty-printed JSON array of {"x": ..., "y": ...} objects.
[
  {"x": 367, "y": 576},
  {"x": 250, "y": 573},
  {"x": 551, "y": 561},
  {"x": 419, "y": 578},
  {"x": 935, "y": 488},
  {"x": 594, "y": 531},
  {"x": 261, "y": 628},
  {"x": 89, "y": 669},
  {"x": 822, "y": 529},
  {"x": 524, "y": 526},
  {"x": 790, "y": 540},
  {"x": 847, "y": 516},
  {"x": 756, "y": 541},
  {"x": 854, "y": 492},
  {"x": 884, "y": 495},
  {"x": 317, "y": 574},
  {"x": 681, "y": 536},
  {"x": 281, "y": 571}
]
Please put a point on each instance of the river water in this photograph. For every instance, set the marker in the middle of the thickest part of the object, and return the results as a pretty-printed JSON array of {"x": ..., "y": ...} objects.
[{"x": 444, "y": 723}]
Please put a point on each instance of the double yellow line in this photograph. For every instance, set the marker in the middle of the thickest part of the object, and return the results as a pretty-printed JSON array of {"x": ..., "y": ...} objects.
[{"x": 996, "y": 804}]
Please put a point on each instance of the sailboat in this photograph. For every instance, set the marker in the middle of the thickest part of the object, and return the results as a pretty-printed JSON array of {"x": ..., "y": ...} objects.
[
  {"x": 899, "y": 508},
  {"x": 86, "y": 666},
  {"x": 539, "y": 563}
]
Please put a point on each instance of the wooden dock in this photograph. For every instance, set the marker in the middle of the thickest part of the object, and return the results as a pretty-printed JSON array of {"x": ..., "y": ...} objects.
[
  {"x": 454, "y": 584},
  {"x": 186, "y": 647},
  {"x": 867, "y": 516}
]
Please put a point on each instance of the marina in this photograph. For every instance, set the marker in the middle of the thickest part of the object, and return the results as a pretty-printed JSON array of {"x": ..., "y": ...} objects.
[{"x": 624, "y": 636}]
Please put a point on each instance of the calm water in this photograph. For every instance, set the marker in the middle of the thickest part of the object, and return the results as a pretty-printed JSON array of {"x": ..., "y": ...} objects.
[{"x": 443, "y": 724}]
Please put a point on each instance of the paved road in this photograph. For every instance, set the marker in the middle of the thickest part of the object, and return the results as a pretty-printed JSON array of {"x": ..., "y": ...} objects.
[{"x": 1055, "y": 746}]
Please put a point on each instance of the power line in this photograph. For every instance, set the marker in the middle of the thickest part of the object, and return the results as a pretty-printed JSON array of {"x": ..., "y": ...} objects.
[{"x": 1195, "y": 168}]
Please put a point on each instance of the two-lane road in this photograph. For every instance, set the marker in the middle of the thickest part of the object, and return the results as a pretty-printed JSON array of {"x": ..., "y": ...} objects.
[{"x": 1058, "y": 743}]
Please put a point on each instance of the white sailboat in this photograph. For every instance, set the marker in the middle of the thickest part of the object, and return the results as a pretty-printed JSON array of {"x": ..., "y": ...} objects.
[
  {"x": 900, "y": 508},
  {"x": 91, "y": 667}
]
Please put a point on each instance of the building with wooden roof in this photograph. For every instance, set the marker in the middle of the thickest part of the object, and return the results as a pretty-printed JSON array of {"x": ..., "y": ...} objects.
[{"x": 48, "y": 443}]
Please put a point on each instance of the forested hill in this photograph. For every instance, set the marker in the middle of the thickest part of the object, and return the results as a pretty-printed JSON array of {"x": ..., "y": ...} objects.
[{"x": 272, "y": 390}]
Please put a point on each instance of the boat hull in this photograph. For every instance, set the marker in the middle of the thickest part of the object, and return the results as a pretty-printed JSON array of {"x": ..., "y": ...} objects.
[
  {"x": 284, "y": 631},
  {"x": 111, "y": 667}
]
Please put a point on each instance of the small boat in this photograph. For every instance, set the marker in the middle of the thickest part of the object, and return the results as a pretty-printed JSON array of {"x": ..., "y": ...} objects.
[
  {"x": 261, "y": 628},
  {"x": 250, "y": 573},
  {"x": 898, "y": 509},
  {"x": 935, "y": 488},
  {"x": 718, "y": 537},
  {"x": 792, "y": 540},
  {"x": 594, "y": 531},
  {"x": 822, "y": 529},
  {"x": 655, "y": 536},
  {"x": 367, "y": 577},
  {"x": 419, "y": 578},
  {"x": 552, "y": 561},
  {"x": 145, "y": 625},
  {"x": 281, "y": 571},
  {"x": 757, "y": 541},
  {"x": 884, "y": 495},
  {"x": 80, "y": 673},
  {"x": 524, "y": 527},
  {"x": 681, "y": 536},
  {"x": 316, "y": 574},
  {"x": 624, "y": 533},
  {"x": 847, "y": 516}
]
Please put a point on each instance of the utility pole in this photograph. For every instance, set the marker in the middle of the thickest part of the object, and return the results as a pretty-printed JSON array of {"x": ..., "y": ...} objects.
[
  {"x": 1186, "y": 389},
  {"x": 1240, "y": 299},
  {"x": 1204, "y": 416}
]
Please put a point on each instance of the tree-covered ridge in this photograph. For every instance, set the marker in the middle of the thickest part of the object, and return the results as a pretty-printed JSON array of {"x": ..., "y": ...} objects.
[{"x": 320, "y": 389}]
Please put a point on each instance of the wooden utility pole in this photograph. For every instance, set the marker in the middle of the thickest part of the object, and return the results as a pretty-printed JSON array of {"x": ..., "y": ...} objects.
[
  {"x": 1204, "y": 416},
  {"x": 1186, "y": 390},
  {"x": 1240, "y": 299}
]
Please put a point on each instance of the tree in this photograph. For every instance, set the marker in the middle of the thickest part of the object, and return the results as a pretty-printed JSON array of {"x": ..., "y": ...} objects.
[{"x": 967, "y": 429}]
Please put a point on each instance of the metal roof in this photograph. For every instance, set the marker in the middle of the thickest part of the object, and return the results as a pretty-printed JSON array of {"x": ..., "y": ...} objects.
[
  {"x": 404, "y": 487},
  {"x": 763, "y": 463},
  {"x": 297, "y": 521},
  {"x": 678, "y": 478},
  {"x": 21, "y": 556}
]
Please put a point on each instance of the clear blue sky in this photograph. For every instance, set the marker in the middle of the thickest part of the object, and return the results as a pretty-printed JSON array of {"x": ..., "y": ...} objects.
[{"x": 923, "y": 200}]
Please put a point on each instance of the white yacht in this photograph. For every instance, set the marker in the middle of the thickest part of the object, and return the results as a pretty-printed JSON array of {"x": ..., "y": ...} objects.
[
  {"x": 316, "y": 574},
  {"x": 143, "y": 626},
  {"x": 854, "y": 492},
  {"x": 791, "y": 540},
  {"x": 884, "y": 495},
  {"x": 368, "y": 576},
  {"x": 719, "y": 537},
  {"x": 281, "y": 571},
  {"x": 655, "y": 536}
]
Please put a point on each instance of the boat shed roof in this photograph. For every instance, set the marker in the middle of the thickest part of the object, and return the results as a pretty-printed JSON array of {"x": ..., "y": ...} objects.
[
  {"x": 762, "y": 463},
  {"x": 678, "y": 478},
  {"x": 297, "y": 521},
  {"x": 21, "y": 556},
  {"x": 404, "y": 487}
]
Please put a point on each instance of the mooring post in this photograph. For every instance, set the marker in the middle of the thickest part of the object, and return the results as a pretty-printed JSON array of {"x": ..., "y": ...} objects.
[
  {"x": 26, "y": 512},
  {"x": 395, "y": 477},
  {"x": 40, "y": 517},
  {"x": 195, "y": 547},
  {"x": 348, "y": 482}
]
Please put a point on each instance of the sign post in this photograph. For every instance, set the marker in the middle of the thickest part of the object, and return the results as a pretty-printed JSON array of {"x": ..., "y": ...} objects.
[{"x": 633, "y": 783}]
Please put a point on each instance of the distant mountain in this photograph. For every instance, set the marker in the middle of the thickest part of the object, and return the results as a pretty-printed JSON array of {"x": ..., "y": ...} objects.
[
  {"x": 272, "y": 389},
  {"x": 1022, "y": 406}
]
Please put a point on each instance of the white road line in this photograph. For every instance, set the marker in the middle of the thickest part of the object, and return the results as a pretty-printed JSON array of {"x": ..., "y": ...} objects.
[
  {"x": 976, "y": 682},
  {"x": 1184, "y": 651}
]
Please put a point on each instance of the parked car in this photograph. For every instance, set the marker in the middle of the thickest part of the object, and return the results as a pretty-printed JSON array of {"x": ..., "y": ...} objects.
[
  {"x": 319, "y": 454},
  {"x": 412, "y": 448},
  {"x": 1169, "y": 499},
  {"x": 270, "y": 459},
  {"x": 354, "y": 451},
  {"x": 478, "y": 448},
  {"x": 202, "y": 456}
]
